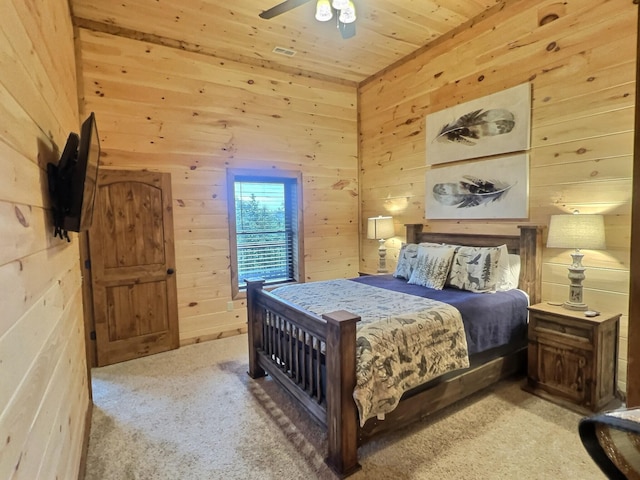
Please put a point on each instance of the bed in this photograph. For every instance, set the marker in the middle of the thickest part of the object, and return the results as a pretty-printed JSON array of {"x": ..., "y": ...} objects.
[{"x": 313, "y": 357}]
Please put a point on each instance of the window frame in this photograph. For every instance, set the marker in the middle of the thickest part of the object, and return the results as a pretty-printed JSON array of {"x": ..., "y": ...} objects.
[{"x": 240, "y": 174}]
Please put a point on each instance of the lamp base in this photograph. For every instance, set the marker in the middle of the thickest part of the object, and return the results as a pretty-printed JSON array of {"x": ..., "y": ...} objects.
[
  {"x": 382, "y": 253},
  {"x": 576, "y": 276},
  {"x": 575, "y": 306}
]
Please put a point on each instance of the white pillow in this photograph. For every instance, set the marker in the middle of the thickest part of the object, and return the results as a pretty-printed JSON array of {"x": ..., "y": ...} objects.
[
  {"x": 514, "y": 266},
  {"x": 504, "y": 271},
  {"x": 475, "y": 269},
  {"x": 432, "y": 268},
  {"x": 508, "y": 270}
]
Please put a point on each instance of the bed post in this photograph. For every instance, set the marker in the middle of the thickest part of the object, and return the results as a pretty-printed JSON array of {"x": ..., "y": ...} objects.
[
  {"x": 342, "y": 413},
  {"x": 531, "y": 261},
  {"x": 254, "y": 327}
]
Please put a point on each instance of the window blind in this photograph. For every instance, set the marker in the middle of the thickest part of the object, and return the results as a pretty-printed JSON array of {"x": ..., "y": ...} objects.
[{"x": 264, "y": 233}]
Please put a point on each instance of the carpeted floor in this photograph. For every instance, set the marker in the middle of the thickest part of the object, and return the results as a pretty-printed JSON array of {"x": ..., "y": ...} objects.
[{"x": 194, "y": 413}]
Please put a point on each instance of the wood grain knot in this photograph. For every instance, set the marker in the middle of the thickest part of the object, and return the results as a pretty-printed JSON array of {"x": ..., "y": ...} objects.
[
  {"x": 548, "y": 19},
  {"x": 21, "y": 218},
  {"x": 340, "y": 185}
]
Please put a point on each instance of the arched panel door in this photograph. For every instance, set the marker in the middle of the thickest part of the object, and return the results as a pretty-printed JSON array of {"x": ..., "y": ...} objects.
[{"x": 131, "y": 247}]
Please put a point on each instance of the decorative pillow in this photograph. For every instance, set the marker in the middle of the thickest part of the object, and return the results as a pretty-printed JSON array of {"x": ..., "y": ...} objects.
[
  {"x": 407, "y": 259},
  {"x": 432, "y": 267},
  {"x": 475, "y": 269}
]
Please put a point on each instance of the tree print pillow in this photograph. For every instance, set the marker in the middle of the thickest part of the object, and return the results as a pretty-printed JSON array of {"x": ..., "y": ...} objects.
[
  {"x": 475, "y": 269},
  {"x": 432, "y": 267},
  {"x": 408, "y": 258}
]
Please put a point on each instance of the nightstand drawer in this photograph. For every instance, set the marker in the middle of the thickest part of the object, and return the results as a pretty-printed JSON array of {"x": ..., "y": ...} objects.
[{"x": 546, "y": 324}]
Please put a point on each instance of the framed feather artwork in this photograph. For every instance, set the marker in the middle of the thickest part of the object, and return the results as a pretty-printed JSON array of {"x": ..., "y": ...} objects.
[
  {"x": 497, "y": 123},
  {"x": 493, "y": 188}
]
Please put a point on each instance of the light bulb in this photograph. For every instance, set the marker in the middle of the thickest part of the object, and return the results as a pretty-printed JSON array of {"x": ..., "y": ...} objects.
[
  {"x": 323, "y": 11},
  {"x": 348, "y": 13}
]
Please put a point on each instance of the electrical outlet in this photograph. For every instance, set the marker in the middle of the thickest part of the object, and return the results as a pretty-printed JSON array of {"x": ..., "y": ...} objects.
[{"x": 229, "y": 306}]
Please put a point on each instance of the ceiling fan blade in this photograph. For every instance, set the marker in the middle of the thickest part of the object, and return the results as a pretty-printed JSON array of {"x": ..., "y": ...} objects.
[
  {"x": 347, "y": 30},
  {"x": 282, "y": 8}
]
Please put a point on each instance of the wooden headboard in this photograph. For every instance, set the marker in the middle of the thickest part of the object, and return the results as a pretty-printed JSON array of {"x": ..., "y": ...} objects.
[{"x": 528, "y": 245}]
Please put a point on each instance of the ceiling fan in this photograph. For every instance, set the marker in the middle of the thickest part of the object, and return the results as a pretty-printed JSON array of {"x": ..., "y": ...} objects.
[{"x": 344, "y": 10}]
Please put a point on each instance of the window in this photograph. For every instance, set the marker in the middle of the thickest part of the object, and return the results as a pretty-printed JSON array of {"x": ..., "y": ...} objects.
[{"x": 265, "y": 225}]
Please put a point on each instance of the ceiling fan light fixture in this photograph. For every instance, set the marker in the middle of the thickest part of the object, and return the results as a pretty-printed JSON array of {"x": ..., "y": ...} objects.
[
  {"x": 348, "y": 13},
  {"x": 340, "y": 4},
  {"x": 323, "y": 11}
]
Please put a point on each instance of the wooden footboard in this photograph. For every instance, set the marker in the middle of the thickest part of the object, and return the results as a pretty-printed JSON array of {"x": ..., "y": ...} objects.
[
  {"x": 314, "y": 358},
  {"x": 291, "y": 345}
]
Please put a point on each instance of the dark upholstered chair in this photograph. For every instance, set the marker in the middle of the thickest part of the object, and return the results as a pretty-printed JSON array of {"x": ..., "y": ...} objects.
[{"x": 613, "y": 441}]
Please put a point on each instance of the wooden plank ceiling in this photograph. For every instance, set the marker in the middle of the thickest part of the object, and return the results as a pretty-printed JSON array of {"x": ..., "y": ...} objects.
[{"x": 386, "y": 31}]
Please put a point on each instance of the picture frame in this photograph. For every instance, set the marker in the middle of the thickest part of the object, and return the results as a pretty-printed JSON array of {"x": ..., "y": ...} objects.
[
  {"x": 494, "y": 124},
  {"x": 480, "y": 189}
]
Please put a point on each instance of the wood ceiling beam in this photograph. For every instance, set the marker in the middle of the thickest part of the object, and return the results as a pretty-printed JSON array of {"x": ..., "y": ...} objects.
[{"x": 191, "y": 47}]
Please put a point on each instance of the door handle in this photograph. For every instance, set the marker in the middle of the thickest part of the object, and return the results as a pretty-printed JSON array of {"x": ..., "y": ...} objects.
[{"x": 170, "y": 271}]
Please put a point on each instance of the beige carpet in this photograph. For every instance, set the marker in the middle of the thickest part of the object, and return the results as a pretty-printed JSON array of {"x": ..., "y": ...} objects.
[{"x": 194, "y": 413}]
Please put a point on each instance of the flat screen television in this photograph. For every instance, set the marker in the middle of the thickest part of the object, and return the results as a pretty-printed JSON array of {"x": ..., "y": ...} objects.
[{"x": 72, "y": 183}]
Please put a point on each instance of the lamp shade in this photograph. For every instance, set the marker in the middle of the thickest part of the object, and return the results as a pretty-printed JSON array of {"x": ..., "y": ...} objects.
[
  {"x": 576, "y": 231},
  {"x": 380, "y": 227}
]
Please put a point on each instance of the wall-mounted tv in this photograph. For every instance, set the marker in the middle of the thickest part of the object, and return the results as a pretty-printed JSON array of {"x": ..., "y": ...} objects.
[{"x": 72, "y": 183}]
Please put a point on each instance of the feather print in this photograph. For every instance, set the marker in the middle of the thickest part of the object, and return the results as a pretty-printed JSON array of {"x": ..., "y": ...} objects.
[
  {"x": 470, "y": 192},
  {"x": 476, "y": 125}
]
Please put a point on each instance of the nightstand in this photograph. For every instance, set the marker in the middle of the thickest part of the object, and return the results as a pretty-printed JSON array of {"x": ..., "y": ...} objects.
[{"x": 572, "y": 358}]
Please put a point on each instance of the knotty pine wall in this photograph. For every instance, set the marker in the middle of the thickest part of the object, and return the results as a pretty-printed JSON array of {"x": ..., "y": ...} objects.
[
  {"x": 44, "y": 393},
  {"x": 194, "y": 116},
  {"x": 582, "y": 71}
]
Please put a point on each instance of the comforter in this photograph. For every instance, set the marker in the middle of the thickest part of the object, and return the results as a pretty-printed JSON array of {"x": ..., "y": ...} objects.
[{"x": 402, "y": 340}]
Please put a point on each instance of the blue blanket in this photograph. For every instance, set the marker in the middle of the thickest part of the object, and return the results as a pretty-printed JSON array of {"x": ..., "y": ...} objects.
[{"x": 490, "y": 319}]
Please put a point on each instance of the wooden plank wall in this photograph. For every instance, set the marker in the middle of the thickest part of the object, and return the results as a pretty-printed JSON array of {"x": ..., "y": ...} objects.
[
  {"x": 582, "y": 70},
  {"x": 194, "y": 116},
  {"x": 44, "y": 393}
]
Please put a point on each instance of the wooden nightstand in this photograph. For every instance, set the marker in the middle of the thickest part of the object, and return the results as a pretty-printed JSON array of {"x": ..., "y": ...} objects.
[{"x": 572, "y": 358}]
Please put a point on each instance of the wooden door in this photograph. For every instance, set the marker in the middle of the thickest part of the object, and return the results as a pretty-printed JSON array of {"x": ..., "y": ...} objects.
[{"x": 133, "y": 266}]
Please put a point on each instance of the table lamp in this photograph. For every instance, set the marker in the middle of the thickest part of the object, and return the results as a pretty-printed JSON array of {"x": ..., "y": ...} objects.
[
  {"x": 381, "y": 228},
  {"x": 576, "y": 231}
]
